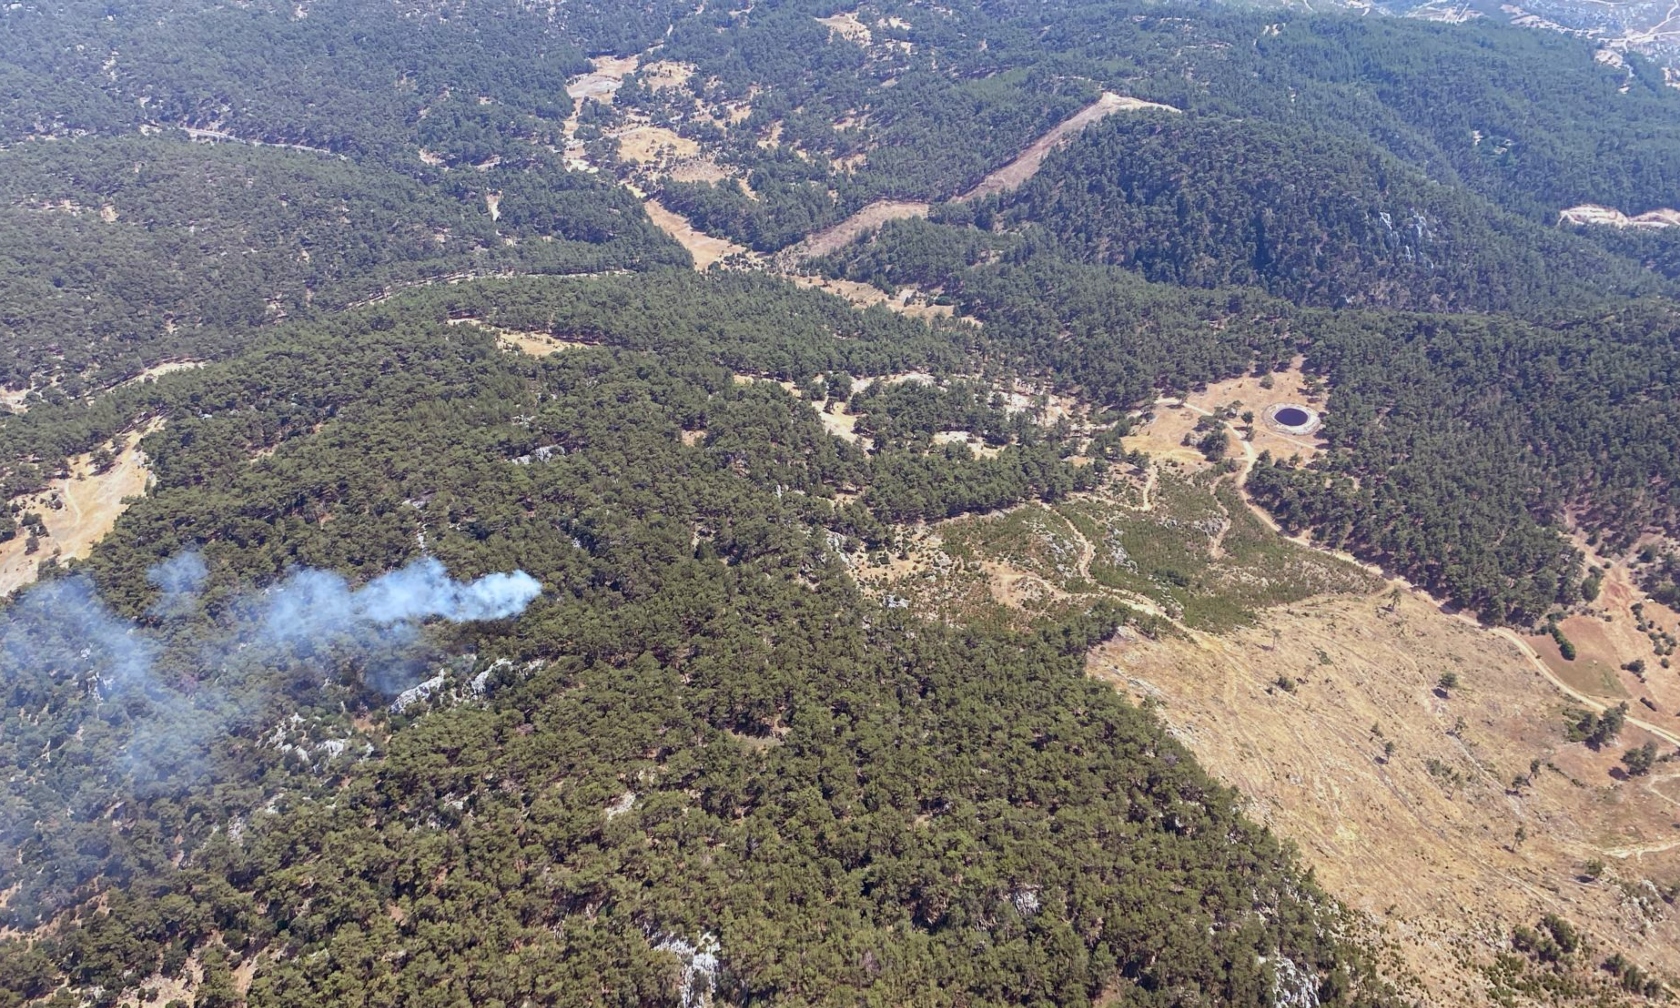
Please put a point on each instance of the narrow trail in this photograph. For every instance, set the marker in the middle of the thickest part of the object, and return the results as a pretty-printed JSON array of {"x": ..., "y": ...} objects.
[
  {"x": 1087, "y": 552},
  {"x": 72, "y": 505},
  {"x": 209, "y": 135},
  {"x": 1150, "y": 481}
]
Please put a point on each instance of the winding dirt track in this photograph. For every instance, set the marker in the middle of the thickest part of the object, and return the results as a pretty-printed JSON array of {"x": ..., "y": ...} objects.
[{"x": 1011, "y": 176}]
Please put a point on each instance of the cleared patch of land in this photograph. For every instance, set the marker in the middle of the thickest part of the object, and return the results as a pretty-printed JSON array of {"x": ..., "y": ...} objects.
[
  {"x": 870, "y": 218},
  {"x": 1169, "y": 422},
  {"x": 76, "y": 510},
  {"x": 537, "y": 344},
  {"x": 648, "y": 144},
  {"x": 698, "y": 169},
  {"x": 16, "y": 400},
  {"x": 848, "y": 27},
  {"x": 662, "y": 74},
  {"x": 157, "y": 371},
  {"x": 1329, "y": 717},
  {"x": 703, "y": 247},
  {"x": 1027, "y": 163},
  {"x": 1620, "y": 640},
  {"x": 1588, "y": 213},
  {"x": 908, "y": 301},
  {"x": 604, "y": 81},
  {"x": 1024, "y": 166},
  {"x": 1185, "y": 550},
  {"x": 842, "y": 423}
]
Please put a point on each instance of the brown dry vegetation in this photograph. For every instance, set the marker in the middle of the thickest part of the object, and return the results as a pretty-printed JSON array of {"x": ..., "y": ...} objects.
[
  {"x": 662, "y": 74},
  {"x": 1170, "y": 420},
  {"x": 1029, "y": 161},
  {"x": 604, "y": 81},
  {"x": 157, "y": 371},
  {"x": 703, "y": 247},
  {"x": 698, "y": 169},
  {"x": 1425, "y": 840},
  {"x": 848, "y": 27},
  {"x": 870, "y": 218},
  {"x": 77, "y": 510},
  {"x": 537, "y": 344},
  {"x": 1607, "y": 637},
  {"x": 909, "y": 301},
  {"x": 649, "y": 144}
]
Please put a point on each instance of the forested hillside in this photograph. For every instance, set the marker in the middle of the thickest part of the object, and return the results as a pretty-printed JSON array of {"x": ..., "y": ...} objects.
[
  {"x": 513, "y": 614},
  {"x": 1209, "y": 202},
  {"x": 917, "y": 106},
  {"x": 124, "y": 253},
  {"x": 370, "y": 81},
  {"x": 1463, "y": 442},
  {"x": 698, "y": 738}
]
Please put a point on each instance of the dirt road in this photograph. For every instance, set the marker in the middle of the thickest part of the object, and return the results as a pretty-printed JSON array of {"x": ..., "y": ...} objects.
[{"x": 1010, "y": 176}]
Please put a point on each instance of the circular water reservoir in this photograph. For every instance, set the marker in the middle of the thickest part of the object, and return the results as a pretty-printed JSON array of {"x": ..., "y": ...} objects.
[{"x": 1293, "y": 418}]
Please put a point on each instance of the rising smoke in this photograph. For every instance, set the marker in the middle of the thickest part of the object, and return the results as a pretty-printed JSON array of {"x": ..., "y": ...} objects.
[{"x": 174, "y": 695}]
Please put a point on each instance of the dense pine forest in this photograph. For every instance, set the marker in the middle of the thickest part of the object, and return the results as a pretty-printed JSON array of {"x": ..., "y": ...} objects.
[{"x": 430, "y": 672}]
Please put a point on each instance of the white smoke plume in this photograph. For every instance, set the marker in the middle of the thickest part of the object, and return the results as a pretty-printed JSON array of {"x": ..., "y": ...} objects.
[
  {"x": 314, "y": 602},
  {"x": 99, "y": 708},
  {"x": 181, "y": 577},
  {"x": 178, "y": 700}
]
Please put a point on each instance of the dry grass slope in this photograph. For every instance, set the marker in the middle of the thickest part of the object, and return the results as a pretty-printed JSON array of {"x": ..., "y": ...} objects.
[
  {"x": 1329, "y": 718},
  {"x": 77, "y": 510}
]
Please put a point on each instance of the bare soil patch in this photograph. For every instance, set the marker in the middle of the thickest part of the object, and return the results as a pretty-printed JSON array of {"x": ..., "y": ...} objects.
[
  {"x": 1608, "y": 636},
  {"x": 604, "y": 81},
  {"x": 698, "y": 169},
  {"x": 157, "y": 371},
  {"x": 537, "y": 344},
  {"x": 908, "y": 301},
  {"x": 662, "y": 74},
  {"x": 848, "y": 27},
  {"x": 1588, "y": 213},
  {"x": 1169, "y": 421},
  {"x": 870, "y": 218},
  {"x": 648, "y": 144},
  {"x": 1029, "y": 161},
  {"x": 703, "y": 247},
  {"x": 1439, "y": 810},
  {"x": 77, "y": 511},
  {"x": 839, "y": 420}
]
